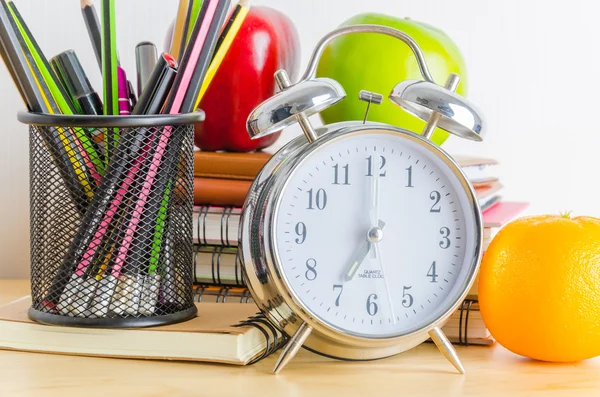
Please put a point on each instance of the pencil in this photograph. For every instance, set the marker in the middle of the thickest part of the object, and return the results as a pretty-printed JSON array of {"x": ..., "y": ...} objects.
[
  {"x": 227, "y": 36},
  {"x": 176, "y": 48},
  {"x": 157, "y": 208},
  {"x": 25, "y": 80},
  {"x": 93, "y": 27},
  {"x": 109, "y": 71},
  {"x": 194, "y": 13},
  {"x": 59, "y": 95},
  {"x": 18, "y": 65},
  {"x": 187, "y": 85}
]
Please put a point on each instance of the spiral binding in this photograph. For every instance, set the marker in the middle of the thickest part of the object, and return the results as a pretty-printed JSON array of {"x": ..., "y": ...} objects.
[
  {"x": 222, "y": 293},
  {"x": 215, "y": 266},
  {"x": 274, "y": 338},
  {"x": 201, "y": 225},
  {"x": 225, "y": 220},
  {"x": 465, "y": 309}
]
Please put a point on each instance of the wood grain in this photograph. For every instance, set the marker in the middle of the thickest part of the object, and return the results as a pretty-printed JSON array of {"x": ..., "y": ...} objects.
[{"x": 491, "y": 371}]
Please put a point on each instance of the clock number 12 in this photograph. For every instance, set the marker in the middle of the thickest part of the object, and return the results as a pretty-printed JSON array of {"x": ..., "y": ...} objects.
[{"x": 370, "y": 166}]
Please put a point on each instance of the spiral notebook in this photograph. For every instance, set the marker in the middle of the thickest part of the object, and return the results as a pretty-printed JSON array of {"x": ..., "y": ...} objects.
[{"x": 229, "y": 334}]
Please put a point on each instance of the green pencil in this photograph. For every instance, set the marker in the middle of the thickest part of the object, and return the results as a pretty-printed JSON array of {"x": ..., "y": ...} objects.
[
  {"x": 193, "y": 14},
  {"x": 159, "y": 230},
  {"x": 59, "y": 95},
  {"x": 109, "y": 69}
]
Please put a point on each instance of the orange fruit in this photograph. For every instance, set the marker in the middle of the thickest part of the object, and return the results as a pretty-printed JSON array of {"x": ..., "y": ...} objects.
[{"x": 539, "y": 287}]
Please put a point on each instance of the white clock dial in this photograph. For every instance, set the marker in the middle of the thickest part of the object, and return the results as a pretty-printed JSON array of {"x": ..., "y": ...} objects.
[{"x": 422, "y": 224}]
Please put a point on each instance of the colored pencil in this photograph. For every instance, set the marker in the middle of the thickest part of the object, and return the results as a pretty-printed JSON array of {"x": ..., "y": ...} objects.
[
  {"x": 186, "y": 87},
  {"x": 88, "y": 245},
  {"x": 61, "y": 97},
  {"x": 94, "y": 29},
  {"x": 109, "y": 72},
  {"x": 176, "y": 49},
  {"x": 194, "y": 12},
  {"x": 227, "y": 36},
  {"x": 16, "y": 59}
]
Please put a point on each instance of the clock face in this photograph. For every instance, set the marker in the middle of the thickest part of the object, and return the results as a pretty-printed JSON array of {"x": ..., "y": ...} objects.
[{"x": 375, "y": 235}]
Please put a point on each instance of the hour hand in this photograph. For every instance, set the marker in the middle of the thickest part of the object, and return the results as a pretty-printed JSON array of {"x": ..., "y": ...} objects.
[
  {"x": 361, "y": 253},
  {"x": 358, "y": 258}
]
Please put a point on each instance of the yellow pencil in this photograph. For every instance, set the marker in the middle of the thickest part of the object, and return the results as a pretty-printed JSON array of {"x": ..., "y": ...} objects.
[{"x": 230, "y": 31}]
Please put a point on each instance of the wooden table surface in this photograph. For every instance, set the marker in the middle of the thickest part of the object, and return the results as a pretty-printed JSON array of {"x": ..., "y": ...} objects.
[{"x": 491, "y": 371}]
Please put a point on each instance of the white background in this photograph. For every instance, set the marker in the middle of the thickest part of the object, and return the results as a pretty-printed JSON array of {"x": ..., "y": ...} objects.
[{"x": 533, "y": 69}]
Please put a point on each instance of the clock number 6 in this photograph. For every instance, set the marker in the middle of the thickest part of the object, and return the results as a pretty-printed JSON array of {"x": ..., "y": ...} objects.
[
  {"x": 372, "y": 307},
  {"x": 445, "y": 243},
  {"x": 311, "y": 269},
  {"x": 320, "y": 199}
]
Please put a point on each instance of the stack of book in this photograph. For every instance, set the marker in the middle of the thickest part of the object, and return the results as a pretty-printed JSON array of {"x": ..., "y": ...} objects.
[
  {"x": 466, "y": 326},
  {"x": 223, "y": 179},
  {"x": 221, "y": 183}
]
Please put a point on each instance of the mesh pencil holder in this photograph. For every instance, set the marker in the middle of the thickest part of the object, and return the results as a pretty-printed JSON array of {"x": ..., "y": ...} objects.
[{"x": 111, "y": 202}]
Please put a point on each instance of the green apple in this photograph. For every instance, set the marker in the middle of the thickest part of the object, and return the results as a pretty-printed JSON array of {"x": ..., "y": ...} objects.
[{"x": 376, "y": 63}]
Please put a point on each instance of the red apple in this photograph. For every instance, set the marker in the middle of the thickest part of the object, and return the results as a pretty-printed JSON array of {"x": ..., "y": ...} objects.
[{"x": 266, "y": 42}]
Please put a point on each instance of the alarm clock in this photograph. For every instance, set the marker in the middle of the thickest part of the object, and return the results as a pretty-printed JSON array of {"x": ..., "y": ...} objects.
[{"x": 360, "y": 239}]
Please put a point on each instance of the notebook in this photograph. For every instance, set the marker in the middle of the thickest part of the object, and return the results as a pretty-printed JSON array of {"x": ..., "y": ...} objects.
[
  {"x": 211, "y": 191},
  {"x": 478, "y": 170},
  {"x": 229, "y": 334},
  {"x": 236, "y": 166},
  {"x": 466, "y": 326}
]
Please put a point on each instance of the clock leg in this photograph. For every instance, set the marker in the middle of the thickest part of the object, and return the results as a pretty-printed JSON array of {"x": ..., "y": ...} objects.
[
  {"x": 292, "y": 347},
  {"x": 442, "y": 343}
]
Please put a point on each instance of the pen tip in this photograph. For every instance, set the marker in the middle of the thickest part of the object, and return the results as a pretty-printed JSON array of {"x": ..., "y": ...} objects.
[
  {"x": 86, "y": 3},
  {"x": 244, "y": 3}
]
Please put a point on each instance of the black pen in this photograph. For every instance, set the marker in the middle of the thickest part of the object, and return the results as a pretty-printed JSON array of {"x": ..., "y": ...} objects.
[
  {"x": 158, "y": 86},
  {"x": 73, "y": 77},
  {"x": 145, "y": 59}
]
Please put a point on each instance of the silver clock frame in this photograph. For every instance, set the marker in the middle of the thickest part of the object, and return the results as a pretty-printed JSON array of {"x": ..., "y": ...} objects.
[
  {"x": 264, "y": 273},
  {"x": 438, "y": 105}
]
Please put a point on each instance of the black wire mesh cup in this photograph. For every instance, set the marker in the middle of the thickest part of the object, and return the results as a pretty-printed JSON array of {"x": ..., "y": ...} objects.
[{"x": 111, "y": 202}]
